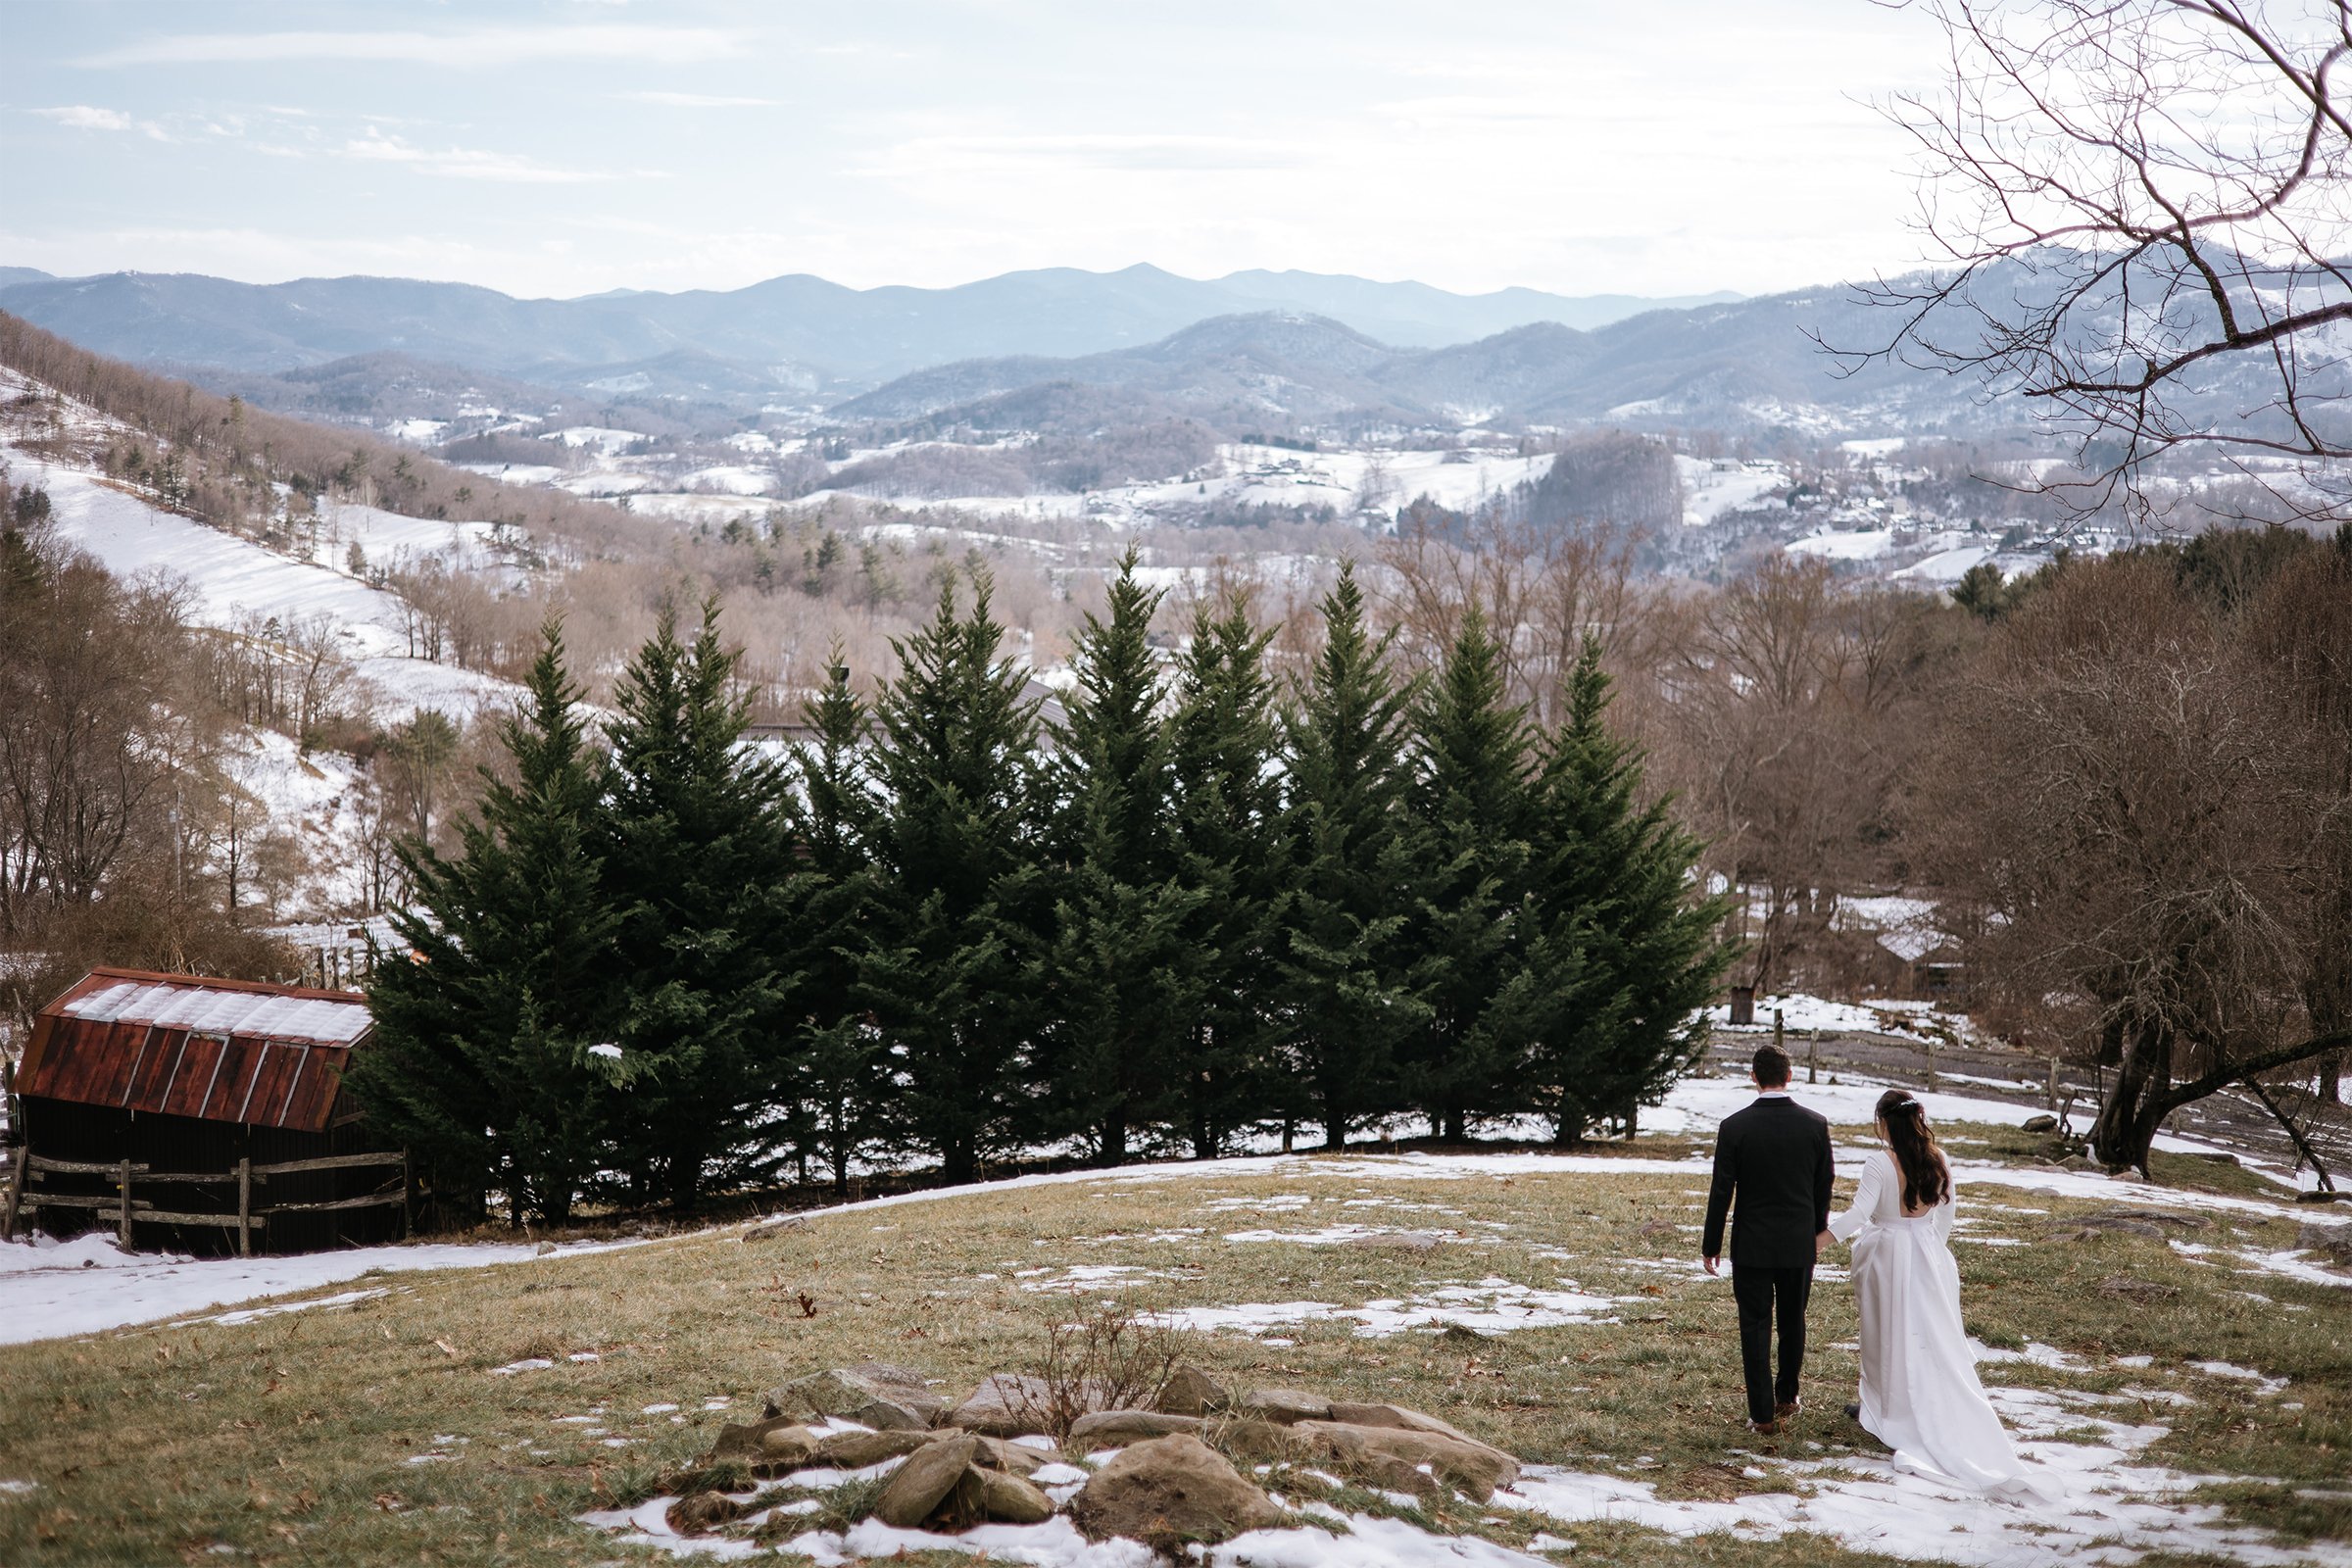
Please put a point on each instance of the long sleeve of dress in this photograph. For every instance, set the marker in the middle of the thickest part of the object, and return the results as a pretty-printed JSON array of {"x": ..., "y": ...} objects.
[
  {"x": 1867, "y": 1197},
  {"x": 1943, "y": 1217}
]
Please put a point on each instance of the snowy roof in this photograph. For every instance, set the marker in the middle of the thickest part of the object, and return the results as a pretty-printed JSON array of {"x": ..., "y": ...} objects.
[
  {"x": 196, "y": 1007},
  {"x": 182, "y": 1046}
]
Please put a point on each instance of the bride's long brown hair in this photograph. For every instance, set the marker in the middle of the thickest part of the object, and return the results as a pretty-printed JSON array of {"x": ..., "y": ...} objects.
[{"x": 1926, "y": 1179}]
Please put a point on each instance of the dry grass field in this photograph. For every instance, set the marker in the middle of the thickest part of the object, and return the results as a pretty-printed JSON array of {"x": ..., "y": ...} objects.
[{"x": 379, "y": 1431}]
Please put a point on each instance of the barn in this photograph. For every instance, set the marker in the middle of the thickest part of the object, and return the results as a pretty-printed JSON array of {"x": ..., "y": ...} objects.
[{"x": 199, "y": 1115}]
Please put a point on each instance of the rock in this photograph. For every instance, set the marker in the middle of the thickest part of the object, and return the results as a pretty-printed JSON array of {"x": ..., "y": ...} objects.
[
  {"x": 698, "y": 1513},
  {"x": 1005, "y": 1499},
  {"x": 1170, "y": 1492},
  {"x": 2044, "y": 1123},
  {"x": 1398, "y": 1242},
  {"x": 1005, "y": 1405},
  {"x": 1018, "y": 1458},
  {"x": 1190, "y": 1392},
  {"x": 855, "y": 1450},
  {"x": 1262, "y": 1441},
  {"x": 2092, "y": 1233},
  {"x": 919, "y": 1487},
  {"x": 747, "y": 1442},
  {"x": 767, "y": 1230},
  {"x": 2131, "y": 1290},
  {"x": 1462, "y": 1333},
  {"x": 1378, "y": 1451},
  {"x": 904, "y": 1385},
  {"x": 2169, "y": 1219},
  {"x": 1395, "y": 1415},
  {"x": 1282, "y": 1406},
  {"x": 853, "y": 1397},
  {"x": 2333, "y": 1243},
  {"x": 788, "y": 1445},
  {"x": 1114, "y": 1429}
]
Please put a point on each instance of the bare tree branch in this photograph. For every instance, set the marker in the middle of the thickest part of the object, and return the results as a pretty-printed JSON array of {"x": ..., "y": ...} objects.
[{"x": 2144, "y": 213}]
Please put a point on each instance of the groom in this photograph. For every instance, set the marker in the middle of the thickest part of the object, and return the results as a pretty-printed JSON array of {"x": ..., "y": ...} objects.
[{"x": 1773, "y": 1159}]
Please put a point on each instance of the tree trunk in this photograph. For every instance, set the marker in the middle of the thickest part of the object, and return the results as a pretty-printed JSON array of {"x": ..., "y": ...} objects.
[
  {"x": 1569, "y": 1131},
  {"x": 1335, "y": 1122},
  {"x": 1457, "y": 1125},
  {"x": 1205, "y": 1142},
  {"x": 2136, "y": 1107},
  {"x": 1114, "y": 1136},
  {"x": 957, "y": 1167}
]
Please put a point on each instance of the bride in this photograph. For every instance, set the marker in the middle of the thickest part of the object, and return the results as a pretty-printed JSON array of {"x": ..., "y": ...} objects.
[{"x": 1920, "y": 1394}]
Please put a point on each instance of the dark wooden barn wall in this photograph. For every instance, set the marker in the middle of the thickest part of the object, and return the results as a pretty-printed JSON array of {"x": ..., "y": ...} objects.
[{"x": 60, "y": 1129}]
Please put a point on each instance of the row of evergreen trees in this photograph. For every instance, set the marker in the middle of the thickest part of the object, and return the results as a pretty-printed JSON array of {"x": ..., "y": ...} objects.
[{"x": 1198, "y": 906}]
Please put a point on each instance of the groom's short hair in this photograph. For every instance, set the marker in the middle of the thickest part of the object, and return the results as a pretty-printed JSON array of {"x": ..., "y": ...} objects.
[{"x": 1772, "y": 1066}]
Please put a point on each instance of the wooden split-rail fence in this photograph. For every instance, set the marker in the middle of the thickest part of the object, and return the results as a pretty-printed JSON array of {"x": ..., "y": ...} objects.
[{"x": 31, "y": 1168}]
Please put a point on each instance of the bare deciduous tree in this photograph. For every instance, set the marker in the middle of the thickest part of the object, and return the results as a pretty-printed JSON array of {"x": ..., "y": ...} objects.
[
  {"x": 2125, "y": 796},
  {"x": 2140, "y": 209}
]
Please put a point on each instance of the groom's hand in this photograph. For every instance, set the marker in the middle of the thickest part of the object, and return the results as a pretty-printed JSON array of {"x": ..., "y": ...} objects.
[
  {"x": 1711, "y": 1262},
  {"x": 1819, "y": 1241}
]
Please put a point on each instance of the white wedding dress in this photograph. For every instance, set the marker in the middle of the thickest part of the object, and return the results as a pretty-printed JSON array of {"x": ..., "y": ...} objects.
[{"x": 1920, "y": 1394}]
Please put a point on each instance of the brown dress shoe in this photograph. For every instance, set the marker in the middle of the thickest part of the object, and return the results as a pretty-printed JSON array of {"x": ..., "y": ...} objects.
[
  {"x": 1787, "y": 1409},
  {"x": 1765, "y": 1429}
]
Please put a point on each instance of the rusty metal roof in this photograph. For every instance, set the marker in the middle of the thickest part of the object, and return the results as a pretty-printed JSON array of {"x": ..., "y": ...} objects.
[{"x": 183, "y": 1046}]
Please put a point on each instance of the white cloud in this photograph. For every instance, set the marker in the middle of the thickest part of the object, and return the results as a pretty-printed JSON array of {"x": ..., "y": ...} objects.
[
  {"x": 469, "y": 48},
  {"x": 465, "y": 162},
  {"x": 81, "y": 117},
  {"x": 699, "y": 100}
]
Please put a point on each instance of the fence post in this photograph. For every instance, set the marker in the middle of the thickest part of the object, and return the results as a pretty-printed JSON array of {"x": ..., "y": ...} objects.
[
  {"x": 407, "y": 1198},
  {"x": 1813, "y": 1056},
  {"x": 245, "y": 1206},
  {"x": 123, "y": 1229},
  {"x": 16, "y": 1195},
  {"x": 2049, "y": 1098},
  {"x": 1931, "y": 1043}
]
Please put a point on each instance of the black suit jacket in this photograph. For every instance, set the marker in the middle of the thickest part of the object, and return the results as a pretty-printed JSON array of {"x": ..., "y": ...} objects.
[{"x": 1774, "y": 1157}]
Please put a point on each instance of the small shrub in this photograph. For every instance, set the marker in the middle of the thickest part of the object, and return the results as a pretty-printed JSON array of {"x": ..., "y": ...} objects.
[{"x": 1107, "y": 1357}]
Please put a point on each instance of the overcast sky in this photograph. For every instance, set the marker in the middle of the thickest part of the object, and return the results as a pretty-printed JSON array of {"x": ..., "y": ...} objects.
[{"x": 564, "y": 147}]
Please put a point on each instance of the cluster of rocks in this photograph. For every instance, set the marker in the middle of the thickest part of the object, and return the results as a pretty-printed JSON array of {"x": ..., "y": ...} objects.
[{"x": 1172, "y": 1482}]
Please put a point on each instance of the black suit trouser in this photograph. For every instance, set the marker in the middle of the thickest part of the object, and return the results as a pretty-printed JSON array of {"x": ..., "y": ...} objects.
[{"x": 1761, "y": 1291}]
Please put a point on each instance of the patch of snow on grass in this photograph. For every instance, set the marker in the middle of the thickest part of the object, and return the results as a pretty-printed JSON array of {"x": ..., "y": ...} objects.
[
  {"x": 255, "y": 1313},
  {"x": 40, "y": 1301},
  {"x": 1489, "y": 1306}
]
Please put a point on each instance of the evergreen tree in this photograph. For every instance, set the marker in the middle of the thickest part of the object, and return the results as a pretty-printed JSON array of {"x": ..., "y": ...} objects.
[
  {"x": 1624, "y": 955},
  {"x": 955, "y": 884},
  {"x": 1123, "y": 974},
  {"x": 842, "y": 1084},
  {"x": 1343, "y": 962},
  {"x": 1472, "y": 799},
  {"x": 483, "y": 1061},
  {"x": 696, "y": 859},
  {"x": 1229, "y": 849}
]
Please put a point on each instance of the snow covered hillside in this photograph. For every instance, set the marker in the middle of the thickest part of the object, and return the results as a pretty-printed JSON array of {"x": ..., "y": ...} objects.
[{"x": 230, "y": 578}]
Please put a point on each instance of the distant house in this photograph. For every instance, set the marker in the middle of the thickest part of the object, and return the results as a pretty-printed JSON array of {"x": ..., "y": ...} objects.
[
  {"x": 200, "y": 1115},
  {"x": 1933, "y": 964}
]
